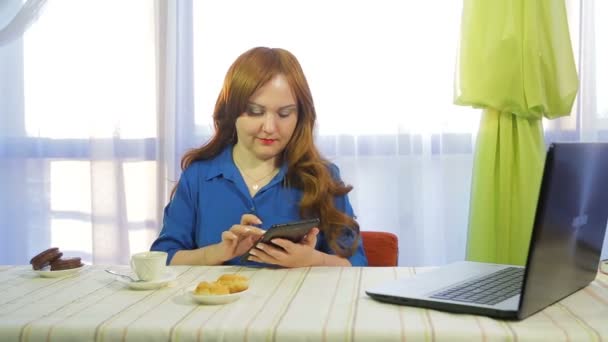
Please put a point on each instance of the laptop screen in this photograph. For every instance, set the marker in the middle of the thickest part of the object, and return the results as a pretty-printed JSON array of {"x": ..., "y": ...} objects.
[{"x": 570, "y": 224}]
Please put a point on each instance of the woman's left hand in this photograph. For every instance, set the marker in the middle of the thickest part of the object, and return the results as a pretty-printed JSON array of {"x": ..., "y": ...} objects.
[{"x": 300, "y": 254}]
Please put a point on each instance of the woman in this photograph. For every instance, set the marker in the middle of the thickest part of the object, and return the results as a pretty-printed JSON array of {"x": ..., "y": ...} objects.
[{"x": 260, "y": 168}]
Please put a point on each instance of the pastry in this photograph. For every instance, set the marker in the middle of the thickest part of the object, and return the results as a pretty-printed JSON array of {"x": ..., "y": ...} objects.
[
  {"x": 235, "y": 282},
  {"x": 214, "y": 288},
  {"x": 225, "y": 284},
  {"x": 66, "y": 264},
  {"x": 45, "y": 258}
]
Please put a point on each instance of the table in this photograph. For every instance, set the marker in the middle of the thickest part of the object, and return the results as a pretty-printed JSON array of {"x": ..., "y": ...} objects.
[{"x": 314, "y": 304}]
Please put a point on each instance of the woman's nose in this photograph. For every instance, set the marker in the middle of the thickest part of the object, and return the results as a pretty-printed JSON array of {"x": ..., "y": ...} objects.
[{"x": 269, "y": 122}]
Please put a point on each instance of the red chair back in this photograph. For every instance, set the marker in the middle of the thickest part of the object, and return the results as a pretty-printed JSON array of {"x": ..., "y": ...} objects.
[{"x": 381, "y": 248}]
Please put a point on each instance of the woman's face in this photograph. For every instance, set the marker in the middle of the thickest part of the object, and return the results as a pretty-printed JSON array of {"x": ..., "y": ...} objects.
[{"x": 265, "y": 128}]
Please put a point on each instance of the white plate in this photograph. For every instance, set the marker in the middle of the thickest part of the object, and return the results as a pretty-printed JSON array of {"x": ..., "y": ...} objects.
[
  {"x": 167, "y": 277},
  {"x": 215, "y": 299},
  {"x": 47, "y": 273}
]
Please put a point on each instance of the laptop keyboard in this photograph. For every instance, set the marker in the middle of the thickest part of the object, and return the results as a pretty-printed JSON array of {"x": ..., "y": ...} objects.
[{"x": 490, "y": 289}]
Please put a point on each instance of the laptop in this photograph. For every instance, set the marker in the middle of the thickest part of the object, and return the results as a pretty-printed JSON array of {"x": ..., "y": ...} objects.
[{"x": 563, "y": 256}]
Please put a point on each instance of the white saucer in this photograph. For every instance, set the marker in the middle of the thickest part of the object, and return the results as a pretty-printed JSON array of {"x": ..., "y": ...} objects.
[
  {"x": 215, "y": 299},
  {"x": 47, "y": 273},
  {"x": 167, "y": 277}
]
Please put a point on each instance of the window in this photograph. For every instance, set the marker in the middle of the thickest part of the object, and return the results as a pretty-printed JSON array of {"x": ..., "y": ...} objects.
[
  {"x": 379, "y": 68},
  {"x": 601, "y": 58},
  {"x": 79, "y": 139},
  {"x": 96, "y": 80}
]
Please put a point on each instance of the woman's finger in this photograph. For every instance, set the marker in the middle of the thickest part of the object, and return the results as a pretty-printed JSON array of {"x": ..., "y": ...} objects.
[
  {"x": 244, "y": 230},
  {"x": 311, "y": 238},
  {"x": 249, "y": 219},
  {"x": 229, "y": 236},
  {"x": 230, "y": 240},
  {"x": 283, "y": 243},
  {"x": 274, "y": 253},
  {"x": 260, "y": 255}
]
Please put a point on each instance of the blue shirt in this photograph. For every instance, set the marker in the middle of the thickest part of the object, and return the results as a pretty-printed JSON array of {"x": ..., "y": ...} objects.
[{"x": 212, "y": 196}]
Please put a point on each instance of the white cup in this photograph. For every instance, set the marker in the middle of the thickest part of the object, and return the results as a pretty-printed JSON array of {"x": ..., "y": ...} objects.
[{"x": 149, "y": 266}]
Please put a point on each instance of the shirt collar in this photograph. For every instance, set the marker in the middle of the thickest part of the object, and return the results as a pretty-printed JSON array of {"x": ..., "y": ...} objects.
[{"x": 222, "y": 165}]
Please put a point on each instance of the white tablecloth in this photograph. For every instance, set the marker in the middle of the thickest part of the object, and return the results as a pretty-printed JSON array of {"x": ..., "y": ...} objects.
[{"x": 314, "y": 304}]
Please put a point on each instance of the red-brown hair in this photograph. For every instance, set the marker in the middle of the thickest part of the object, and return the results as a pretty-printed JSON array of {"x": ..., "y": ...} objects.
[{"x": 307, "y": 170}]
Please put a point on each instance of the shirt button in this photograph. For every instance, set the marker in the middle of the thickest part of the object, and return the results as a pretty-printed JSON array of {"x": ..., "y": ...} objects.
[{"x": 252, "y": 209}]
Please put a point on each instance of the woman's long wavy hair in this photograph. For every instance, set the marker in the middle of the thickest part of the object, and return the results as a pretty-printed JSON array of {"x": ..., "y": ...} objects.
[{"x": 307, "y": 170}]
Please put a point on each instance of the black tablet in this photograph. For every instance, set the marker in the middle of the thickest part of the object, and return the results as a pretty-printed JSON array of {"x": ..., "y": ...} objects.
[{"x": 292, "y": 231}]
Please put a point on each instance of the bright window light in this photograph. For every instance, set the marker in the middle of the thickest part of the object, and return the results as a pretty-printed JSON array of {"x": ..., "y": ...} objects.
[
  {"x": 72, "y": 236},
  {"x": 139, "y": 240},
  {"x": 140, "y": 179},
  {"x": 601, "y": 57},
  {"x": 88, "y": 77},
  {"x": 70, "y": 186},
  {"x": 380, "y": 67}
]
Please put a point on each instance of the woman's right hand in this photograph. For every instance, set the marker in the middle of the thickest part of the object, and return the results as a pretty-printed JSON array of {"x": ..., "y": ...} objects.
[{"x": 240, "y": 237}]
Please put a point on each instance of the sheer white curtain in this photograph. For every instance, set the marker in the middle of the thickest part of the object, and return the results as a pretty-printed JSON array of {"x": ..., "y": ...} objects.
[
  {"x": 78, "y": 133},
  {"x": 21, "y": 21},
  {"x": 99, "y": 99}
]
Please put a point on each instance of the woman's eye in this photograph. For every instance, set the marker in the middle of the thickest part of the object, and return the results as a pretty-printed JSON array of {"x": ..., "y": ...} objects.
[
  {"x": 254, "y": 110},
  {"x": 286, "y": 112}
]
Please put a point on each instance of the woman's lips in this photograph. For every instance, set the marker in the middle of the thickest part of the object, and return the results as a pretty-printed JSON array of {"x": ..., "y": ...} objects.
[{"x": 267, "y": 141}]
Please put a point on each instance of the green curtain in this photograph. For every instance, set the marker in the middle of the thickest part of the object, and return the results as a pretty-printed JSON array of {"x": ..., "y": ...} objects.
[{"x": 516, "y": 63}]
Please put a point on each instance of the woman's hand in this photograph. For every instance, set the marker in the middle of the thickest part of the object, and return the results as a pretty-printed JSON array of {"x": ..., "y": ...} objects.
[
  {"x": 300, "y": 254},
  {"x": 240, "y": 237}
]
